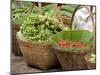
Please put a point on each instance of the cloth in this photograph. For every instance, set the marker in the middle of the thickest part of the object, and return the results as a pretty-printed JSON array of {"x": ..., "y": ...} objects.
[{"x": 83, "y": 20}]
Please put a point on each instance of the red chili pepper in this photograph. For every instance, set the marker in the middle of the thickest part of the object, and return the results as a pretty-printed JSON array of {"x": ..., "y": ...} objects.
[
  {"x": 68, "y": 44},
  {"x": 61, "y": 42}
]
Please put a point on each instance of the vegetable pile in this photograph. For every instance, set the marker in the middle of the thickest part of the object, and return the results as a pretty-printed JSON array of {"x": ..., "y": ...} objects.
[
  {"x": 71, "y": 44},
  {"x": 68, "y": 10},
  {"x": 19, "y": 12},
  {"x": 40, "y": 28},
  {"x": 49, "y": 10}
]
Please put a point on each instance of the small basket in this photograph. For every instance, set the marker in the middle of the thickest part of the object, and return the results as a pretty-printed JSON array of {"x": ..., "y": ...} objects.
[
  {"x": 71, "y": 60},
  {"x": 15, "y": 45},
  {"x": 66, "y": 20},
  {"x": 91, "y": 65},
  {"x": 37, "y": 54}
]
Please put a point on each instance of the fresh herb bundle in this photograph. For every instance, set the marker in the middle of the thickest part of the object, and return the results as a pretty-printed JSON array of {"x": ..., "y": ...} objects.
[{"x": 40, "y": 28}]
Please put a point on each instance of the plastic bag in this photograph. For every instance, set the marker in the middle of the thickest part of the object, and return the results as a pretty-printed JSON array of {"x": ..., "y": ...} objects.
[{"x": 83, "y": 19}]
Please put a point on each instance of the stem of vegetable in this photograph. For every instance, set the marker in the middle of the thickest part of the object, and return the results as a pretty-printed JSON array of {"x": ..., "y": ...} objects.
[{"x": 72, "y": 19}]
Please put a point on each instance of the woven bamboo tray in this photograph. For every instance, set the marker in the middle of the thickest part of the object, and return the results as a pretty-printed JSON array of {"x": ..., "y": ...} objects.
[{"x": 15, "y": 45}]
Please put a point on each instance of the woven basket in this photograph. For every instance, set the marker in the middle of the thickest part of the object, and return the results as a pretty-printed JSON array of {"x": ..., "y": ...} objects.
[
  {"x": 15, "y": 45},
  {"x": 40, "y": 55},
  {"x": 70, "y": 60},
  {"x": 66, "y": 20},
  {"x": 91, "y": 65}
]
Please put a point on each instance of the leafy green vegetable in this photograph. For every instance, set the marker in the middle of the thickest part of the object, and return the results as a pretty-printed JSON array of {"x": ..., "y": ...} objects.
[
  {"x": 65, "y": 13},
  {"x": 75, "y": 35},
  {"x": 18, "y": 15},
  {"x": 49, "y": 10},
  {"x": 40, "y": 28},
  {"x": 68, "y": 9},
  {"x": 18, "y": 19}
]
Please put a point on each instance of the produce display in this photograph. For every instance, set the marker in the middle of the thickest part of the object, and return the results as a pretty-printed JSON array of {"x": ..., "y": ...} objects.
[
  {"x": 67, "y": 10},
  {"x": 48, "y": 32},
  {"x": 73, "y": 41},
  {"x": 18, "y": 16},
  {"x": 49, "y": 10},
  {"x": 39, "y": 27},
  {"x": 20, "y": 12}
]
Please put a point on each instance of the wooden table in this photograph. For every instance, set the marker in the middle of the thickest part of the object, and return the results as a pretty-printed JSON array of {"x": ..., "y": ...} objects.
[{"x": 19, "y": 66}]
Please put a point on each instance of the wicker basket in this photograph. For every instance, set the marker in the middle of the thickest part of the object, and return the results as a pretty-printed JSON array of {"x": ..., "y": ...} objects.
[
  {"x": 15, "y": 45},
  {"x": 70, "y": 60},
  {"x": 40, "y": 55},
  {"x": 66, "y": 20},
  {"x": 73, "y": 60},
  {"x": 91, "y": 65}
]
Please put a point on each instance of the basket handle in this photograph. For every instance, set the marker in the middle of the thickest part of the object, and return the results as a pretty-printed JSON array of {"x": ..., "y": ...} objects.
[
  {"x": 58, "y": 12},
  {"x": 72, "y": 19}
]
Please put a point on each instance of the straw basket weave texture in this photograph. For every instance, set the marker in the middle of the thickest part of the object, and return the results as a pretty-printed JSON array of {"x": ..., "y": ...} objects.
[
  {"x": 15, "y": 45},
  {"x": 66, "y": 20},
  {"x": 72, "y": 60},
  {"x": 91, "y": 65},
  {"x": 40, "y": 55}
]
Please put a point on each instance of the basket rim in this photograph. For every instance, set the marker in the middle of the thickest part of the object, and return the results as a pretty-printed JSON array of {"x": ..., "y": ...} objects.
[
  {"x": 22, "y": 38},
  {"x": 59, "y": 49}
]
